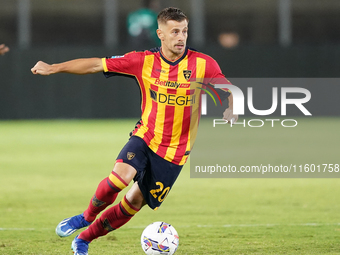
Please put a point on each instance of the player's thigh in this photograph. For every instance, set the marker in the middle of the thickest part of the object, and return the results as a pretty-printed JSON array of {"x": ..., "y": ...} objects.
[
  {"x": 135, "y": 196},
  {"x": 131, "y": 159},
  {"x": 125, "y": 171}
]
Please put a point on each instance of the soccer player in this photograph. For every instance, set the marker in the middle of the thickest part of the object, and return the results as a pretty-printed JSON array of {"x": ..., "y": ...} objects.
[{"x": 170, "y": 78}]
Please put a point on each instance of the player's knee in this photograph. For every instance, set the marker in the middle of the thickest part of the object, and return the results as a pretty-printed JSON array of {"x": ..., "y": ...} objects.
[{"x": 124, "y": 171}]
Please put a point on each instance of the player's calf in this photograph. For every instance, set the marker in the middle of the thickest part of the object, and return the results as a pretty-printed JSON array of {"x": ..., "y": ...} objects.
[
  {"x": 112, "y": 219},
  {"x": 105, "y": 195}
]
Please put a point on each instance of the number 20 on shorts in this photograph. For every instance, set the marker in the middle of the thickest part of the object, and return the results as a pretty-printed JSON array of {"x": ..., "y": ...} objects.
[{"x": 161, "y": 193}]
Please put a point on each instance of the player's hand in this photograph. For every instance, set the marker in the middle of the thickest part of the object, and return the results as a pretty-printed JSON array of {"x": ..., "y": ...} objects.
[
  {"x": 42, "y": 68},
  {"x": 229, "y": 116},
  {"x": 3, "y": 49}
]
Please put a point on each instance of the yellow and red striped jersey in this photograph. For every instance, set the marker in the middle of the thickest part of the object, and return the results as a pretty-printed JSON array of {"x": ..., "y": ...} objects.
[{"x": 170, "y": 98}]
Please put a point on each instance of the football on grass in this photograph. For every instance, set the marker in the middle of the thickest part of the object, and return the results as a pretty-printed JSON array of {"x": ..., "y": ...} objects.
[{"x": 159, "y": 238}]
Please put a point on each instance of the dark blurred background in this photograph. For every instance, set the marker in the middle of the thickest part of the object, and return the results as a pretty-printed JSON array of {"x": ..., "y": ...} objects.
[{"x": 248, "y": 38}]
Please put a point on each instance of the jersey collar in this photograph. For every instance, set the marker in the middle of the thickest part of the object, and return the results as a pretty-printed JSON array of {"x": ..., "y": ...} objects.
[{"x": 173, "y": 63}]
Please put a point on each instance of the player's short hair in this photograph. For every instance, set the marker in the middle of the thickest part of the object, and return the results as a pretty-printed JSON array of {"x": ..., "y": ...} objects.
[{"x": 171, "y": 13}]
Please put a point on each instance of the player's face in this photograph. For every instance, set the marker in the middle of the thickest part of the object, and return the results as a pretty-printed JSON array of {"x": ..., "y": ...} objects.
[{"x": 173, "y": 36}]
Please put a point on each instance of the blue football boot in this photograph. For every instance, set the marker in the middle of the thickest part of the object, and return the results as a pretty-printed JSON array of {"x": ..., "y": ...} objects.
[
  {"x": 79, "y": 246},
  {"x": 68, "y": 226}
]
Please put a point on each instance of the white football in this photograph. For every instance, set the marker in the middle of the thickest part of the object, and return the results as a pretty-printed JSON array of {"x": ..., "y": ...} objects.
[{"x": 159, "y": 238}]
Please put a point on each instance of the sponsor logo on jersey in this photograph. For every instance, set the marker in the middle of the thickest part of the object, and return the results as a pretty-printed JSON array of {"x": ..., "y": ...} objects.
[
  {"x": 160, "y": 70},
  {"x": 171, "y": 99},
  {"x": 172, "y": 84}
]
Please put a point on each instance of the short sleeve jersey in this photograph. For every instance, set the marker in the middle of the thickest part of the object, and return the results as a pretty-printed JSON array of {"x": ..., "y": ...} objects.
[{"x": 170, "y": 96}]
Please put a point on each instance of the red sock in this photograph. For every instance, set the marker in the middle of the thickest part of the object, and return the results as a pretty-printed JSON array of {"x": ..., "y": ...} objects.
[
  {"x": 113, "y": 218},
  {"x": 105, "y": 195}
]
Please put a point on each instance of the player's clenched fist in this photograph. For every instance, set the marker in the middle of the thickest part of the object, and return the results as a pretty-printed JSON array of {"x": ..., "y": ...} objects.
[{"x": 42, "y": 68}]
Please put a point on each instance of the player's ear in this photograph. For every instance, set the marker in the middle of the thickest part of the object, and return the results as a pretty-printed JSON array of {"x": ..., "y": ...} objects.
[{"x": 160, "y": 34}]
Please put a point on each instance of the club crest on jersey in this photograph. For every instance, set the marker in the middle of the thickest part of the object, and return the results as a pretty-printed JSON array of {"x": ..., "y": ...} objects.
[
  {"x": 130, "y": 155},
  {"x": 187, "y": 74}
]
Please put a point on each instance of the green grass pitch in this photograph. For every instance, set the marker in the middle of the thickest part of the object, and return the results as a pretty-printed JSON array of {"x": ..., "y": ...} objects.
[{"x": 49, "y": 170}]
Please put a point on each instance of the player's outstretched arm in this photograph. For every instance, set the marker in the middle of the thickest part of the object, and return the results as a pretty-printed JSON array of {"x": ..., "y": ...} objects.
[
  {"x": 228, "y": 113},
  {"x": 76, "y": 66}
]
